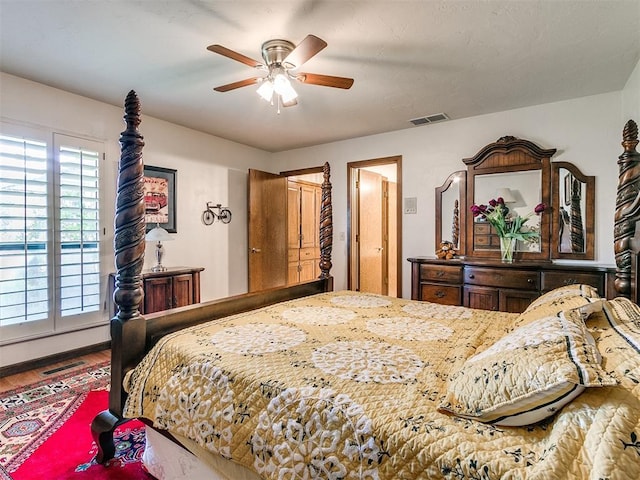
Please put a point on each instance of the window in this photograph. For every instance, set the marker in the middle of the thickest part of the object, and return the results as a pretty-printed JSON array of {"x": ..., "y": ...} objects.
[{"x": 49, "y": 232}]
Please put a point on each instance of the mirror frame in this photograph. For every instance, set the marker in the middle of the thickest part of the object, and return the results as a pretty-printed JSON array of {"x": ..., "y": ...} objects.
[
  {"x": 510, "y": 154},
  {"x": 461, "y": 178},
  {"x": 589, "y": 214}
]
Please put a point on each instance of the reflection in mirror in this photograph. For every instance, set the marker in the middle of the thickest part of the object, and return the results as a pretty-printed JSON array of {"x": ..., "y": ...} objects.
[
  {"x": 573, "y": 207},
  {"x": 571, "y": 226},
  {"x": 521, "y": 192},
  {"x": 450, "y": 203},
  {"x": 451, "y": 215}
]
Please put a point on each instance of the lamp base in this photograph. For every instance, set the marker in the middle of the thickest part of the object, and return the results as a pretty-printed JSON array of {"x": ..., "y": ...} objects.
[{"x": 158, "y": 268}]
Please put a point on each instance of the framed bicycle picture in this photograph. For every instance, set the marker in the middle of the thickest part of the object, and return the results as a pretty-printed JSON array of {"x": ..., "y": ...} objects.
[{"x": 160, "y": 198}]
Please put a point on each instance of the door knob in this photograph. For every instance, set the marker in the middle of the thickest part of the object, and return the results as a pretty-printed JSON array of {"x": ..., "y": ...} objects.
[{"x": 255, "y": 250}]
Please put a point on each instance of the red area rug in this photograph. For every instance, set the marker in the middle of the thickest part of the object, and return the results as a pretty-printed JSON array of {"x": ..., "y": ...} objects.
[{"x": 45, "y": 432}]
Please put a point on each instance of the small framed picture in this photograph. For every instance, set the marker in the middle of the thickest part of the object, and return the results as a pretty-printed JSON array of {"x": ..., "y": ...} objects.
[{"x": 160, "y": 198}]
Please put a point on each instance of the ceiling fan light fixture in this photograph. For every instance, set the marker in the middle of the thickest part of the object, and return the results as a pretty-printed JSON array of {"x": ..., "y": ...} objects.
[
  {"x": 265, "y": 90},
  {"x": 283, "y": 87}
]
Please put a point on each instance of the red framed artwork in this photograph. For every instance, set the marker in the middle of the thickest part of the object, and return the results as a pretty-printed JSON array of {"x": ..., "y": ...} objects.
[{"x": 160, "y": 198}]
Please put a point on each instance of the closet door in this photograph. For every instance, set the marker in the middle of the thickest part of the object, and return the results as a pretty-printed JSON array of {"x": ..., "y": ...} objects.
[{"x": 267, "y": 230}]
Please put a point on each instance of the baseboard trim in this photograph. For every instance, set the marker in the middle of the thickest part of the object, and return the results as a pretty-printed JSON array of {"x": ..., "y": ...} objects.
[{"x": 50, "y": 359}]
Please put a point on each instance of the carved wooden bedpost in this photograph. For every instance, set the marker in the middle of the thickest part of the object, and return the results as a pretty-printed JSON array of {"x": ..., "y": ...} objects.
[
  {"x": 129, "y": 258},
  {"x": 625, "y": 224},
  {"x": 326, "y": 224}
]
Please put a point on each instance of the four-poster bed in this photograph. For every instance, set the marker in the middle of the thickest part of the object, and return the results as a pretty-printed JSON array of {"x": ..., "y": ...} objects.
[{"x": 303, "y": 382}]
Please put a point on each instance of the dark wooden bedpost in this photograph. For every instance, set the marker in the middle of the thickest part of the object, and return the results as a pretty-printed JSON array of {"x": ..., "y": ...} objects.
[
  {"x": 129, "y": 257},
  {"x": 326, "y": 224},
  {"x": 625, "y": 221}
]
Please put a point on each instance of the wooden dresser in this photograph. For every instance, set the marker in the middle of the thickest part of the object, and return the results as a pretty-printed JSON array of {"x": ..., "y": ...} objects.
[
  {"x": 175, "y": 287},
  {"x": 493, "y": 285}
]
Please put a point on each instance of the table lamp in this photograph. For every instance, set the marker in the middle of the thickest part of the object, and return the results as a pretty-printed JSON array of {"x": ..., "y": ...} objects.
[{"x": 159, "y": 235}]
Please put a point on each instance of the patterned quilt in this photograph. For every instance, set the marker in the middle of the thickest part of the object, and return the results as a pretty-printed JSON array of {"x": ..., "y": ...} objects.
[{"x": 346, "y": 386}]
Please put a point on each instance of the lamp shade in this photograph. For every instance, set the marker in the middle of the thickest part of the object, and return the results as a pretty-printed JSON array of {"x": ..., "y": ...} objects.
[
  {"x": 158, "y": 234},
  {"x": 506, "y": 194}
]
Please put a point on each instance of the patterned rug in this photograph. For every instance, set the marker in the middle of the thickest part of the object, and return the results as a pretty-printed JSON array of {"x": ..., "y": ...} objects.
[{"x": 45, "y": 430}]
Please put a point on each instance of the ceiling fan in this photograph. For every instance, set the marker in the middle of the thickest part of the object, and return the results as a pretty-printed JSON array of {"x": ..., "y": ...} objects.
[{"x": 282, "y": 59}]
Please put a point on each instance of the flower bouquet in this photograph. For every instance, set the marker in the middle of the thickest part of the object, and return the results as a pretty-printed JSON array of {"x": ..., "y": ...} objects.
[{"x": 509, "y": 227}]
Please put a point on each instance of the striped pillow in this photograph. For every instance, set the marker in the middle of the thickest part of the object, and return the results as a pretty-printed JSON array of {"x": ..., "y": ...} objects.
[{"x": 529, "y": 374}]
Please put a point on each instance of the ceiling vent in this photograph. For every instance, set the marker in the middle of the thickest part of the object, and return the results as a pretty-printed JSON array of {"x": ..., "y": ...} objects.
[{"x": 436, "y": 117}]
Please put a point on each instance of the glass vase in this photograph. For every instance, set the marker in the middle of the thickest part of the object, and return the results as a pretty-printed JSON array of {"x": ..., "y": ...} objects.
[{"x": 507, "y": 246}]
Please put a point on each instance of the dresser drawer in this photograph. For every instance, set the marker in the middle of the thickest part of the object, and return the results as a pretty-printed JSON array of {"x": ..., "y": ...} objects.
[
  {"x": 560, "y": 278},
  {"x": 444, "y": 294},
  {"x": 441, "y": 273},
  {"x": 501, "y": 277}
]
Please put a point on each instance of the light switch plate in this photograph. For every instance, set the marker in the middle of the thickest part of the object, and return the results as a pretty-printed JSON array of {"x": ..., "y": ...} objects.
[{"x": 410, "y": 205}]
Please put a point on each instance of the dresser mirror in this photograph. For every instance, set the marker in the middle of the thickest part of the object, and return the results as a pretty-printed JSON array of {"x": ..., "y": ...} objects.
[
  {"x": 523, "y": 175},
  {"x": 451, "y": 211},
  {"x": 574, "y": 210}
]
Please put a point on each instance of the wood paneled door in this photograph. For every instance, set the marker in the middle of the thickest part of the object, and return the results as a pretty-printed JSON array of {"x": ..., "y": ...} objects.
[
  {"x": 375, "y": 226},
  {"x": 267, "y": 230}
]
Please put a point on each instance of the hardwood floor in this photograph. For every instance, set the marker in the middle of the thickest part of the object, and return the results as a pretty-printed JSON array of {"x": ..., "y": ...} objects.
[{"x": 31, "y": 376}]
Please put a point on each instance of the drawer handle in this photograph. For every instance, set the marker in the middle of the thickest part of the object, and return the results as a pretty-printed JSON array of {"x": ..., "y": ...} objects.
[
  {"x": 440, "y": 294},
  {"x": 439, "y": 273},
  {"x": 570, "y": 281},
  {"x": 471, "y": 275},
  {"x": 530, "y": 281}
]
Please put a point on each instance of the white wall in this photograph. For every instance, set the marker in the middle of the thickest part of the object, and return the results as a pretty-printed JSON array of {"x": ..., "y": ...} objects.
[
  {"x": 208, "y": 169},
  {"x": 586, "y": 131},
  {"x": 631, "y": 96}
]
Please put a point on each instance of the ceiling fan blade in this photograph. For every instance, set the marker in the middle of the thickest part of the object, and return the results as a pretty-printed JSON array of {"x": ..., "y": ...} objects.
[
  {"x": 325, "y": 80},
  {"x": 219, "y": 49},
  {"x": 306, "y": 49},
  {"x": 241, "y": 83}
]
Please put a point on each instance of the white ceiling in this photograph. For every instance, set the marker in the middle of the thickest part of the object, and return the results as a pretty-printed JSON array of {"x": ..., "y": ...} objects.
[{"x": 408, "y": 58}]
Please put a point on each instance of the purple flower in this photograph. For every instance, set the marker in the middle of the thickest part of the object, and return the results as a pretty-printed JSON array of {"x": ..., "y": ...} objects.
[
  {"x": 500, "y": 200},
  {"x": 540, "y": 208},
  {"x": 493, "y": 203}
]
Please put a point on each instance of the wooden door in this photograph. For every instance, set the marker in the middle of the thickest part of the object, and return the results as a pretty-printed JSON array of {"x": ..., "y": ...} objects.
[
  {"x": 370, "y": 230},
  {"x": 293, "y": 215},
  {"x": 182, "y": 290},
  {"x": 308, "y": 217},
  {"x": 267, "y": 230},
  {"x": 158, "y": 294}
]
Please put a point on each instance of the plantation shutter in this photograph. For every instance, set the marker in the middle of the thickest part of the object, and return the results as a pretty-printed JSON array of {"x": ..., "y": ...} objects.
[
  {"x": 79, "y": 247},
  {"x": 24, "y": 232},
  {"x": 49, "y": 233}
]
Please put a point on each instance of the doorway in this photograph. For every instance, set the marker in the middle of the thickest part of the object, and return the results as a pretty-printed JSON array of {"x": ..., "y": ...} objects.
[{"x": 375, "y": 225}]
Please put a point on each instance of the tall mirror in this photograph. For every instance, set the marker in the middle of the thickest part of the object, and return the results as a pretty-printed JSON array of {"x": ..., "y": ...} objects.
[
  {"x": 451, "y": 211},
  {"x": 574, "y": 210}
]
